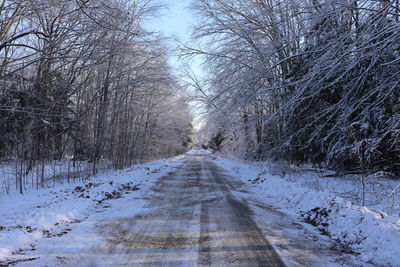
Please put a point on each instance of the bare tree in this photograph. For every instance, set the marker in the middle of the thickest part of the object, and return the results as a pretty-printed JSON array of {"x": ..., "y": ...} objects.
[
  {"x": 83, "y": 80},
  {"x": 307, "y": 81}
]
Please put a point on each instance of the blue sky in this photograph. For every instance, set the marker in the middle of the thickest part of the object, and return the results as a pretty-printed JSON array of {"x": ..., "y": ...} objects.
[{"x": 176, "y": 21}]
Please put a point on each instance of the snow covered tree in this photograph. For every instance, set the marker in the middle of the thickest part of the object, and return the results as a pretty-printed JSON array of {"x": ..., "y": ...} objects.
[{"x": 305, "y": 81}]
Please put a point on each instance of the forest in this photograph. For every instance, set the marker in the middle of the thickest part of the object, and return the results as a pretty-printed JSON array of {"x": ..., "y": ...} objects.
[
  {"x": 313, "y": 82},
  {"x": 85, "y": 81},
  {"x": 200, "y": 133},
  {"x": 84, "y": 85}
]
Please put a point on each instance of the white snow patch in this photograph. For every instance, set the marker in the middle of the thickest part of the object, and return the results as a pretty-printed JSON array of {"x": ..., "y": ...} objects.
[
  {"x": 327, "y": 203},
  {"x": 36, "y": 225}
]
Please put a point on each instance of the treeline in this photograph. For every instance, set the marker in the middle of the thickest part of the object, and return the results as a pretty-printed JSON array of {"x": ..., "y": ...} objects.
[
  {"x": 306, "y": 81},
  {"x": 84, "y": 80}
]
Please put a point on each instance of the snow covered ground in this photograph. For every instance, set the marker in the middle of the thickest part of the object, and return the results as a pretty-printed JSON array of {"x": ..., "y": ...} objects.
[
  {"x": 51, "y": 173},
  {"x": 49, "y": 227},
  {"x": 35, "y": 227},
  {"x": 333, "y": 205}
]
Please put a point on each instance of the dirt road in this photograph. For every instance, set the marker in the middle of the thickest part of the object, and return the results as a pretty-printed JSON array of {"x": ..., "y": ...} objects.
[{"x": 191, "y": 218}]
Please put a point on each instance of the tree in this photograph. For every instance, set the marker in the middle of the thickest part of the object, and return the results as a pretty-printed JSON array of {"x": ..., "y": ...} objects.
[
  {"x": 305, "y": 81},
  {"x": 85, "y": 80}
]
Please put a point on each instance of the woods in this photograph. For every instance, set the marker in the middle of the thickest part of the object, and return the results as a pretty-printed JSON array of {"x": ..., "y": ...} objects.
[
  {"x": 85, "y": 81},
  {"x": 199, "y": 132},
  {"x": 305, "y": 81}
]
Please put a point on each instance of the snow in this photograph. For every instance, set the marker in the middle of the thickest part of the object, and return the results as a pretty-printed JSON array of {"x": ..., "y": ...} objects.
[
  {"x": 54, "y": 226},
  {"x": 52, "y": 172},
  {"x": 368, "y": 232},
  {"x": 36, "y": 225}
]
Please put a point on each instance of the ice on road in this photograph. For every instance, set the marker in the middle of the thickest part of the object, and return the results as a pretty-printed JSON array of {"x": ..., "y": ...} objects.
[
  {"x": 186, "y": 211},
  {"x": 191, "y": 218}
]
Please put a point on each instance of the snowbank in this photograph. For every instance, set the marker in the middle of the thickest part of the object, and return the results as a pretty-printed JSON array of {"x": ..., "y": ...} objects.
[
  {"x": 373, "y": 235},
  {"x": 26, "y": 220}
]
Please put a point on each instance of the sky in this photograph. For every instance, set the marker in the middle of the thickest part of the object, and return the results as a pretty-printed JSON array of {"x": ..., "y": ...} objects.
[{"x": 176, "y": 21}]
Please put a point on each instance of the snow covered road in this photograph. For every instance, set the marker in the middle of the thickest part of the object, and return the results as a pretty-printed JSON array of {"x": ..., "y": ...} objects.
[
  {"x": 185, "y": 211},
  {"x": 191, "y": 218}
]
